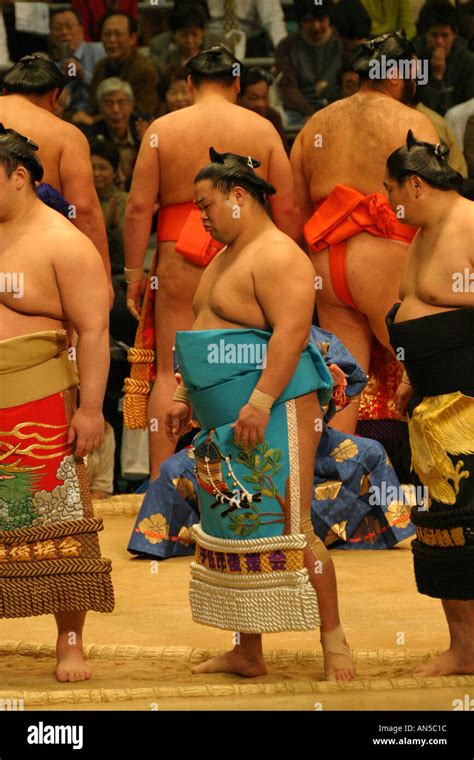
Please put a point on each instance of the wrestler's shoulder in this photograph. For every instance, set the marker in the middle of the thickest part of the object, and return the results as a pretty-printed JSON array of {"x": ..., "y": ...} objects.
[
  {"x": 277, "y": 249},
  {"x": 61, "y": 236}
]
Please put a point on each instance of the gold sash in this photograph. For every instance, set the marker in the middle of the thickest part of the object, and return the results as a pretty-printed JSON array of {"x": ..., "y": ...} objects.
[{"x": 33, "y": 366}]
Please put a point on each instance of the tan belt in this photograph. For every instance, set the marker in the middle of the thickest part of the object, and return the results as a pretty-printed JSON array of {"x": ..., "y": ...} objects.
[{"x": 34, "y": 366}]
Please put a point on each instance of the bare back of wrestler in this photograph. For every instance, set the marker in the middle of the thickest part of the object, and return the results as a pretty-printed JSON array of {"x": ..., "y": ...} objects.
[
  {"x": 63, "y": 149},
  {"x": 56, "y": 281},
  {"x": 173, "y": 150},
  {"x": 348, "y": 143},
  {"x": 263, "y": 280}
]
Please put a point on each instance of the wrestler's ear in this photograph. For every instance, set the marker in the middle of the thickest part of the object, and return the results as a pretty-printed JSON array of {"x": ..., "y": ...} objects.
[
  {"x": 416, "y": 184},
  {"x": 190, "y": 84},
  {"x": 53, "y": 97},
  {"x": 236, "y": 85},
  {"x": 239, "y": 194}
]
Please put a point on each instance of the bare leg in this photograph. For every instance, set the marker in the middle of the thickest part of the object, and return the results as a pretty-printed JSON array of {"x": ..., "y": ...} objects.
[
  {"x": 177, "y": 283},
  {"x": 337, "y": 659},
  {"x": 459, "y": 658},
  {"x": 245, "y": 659},
  {"x": 374, "y": 269},
  {"x": 71, "y": 665}
]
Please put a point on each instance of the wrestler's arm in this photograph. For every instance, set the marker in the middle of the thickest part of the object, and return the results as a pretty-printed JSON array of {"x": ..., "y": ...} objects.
[
  {"x": 142, "y": 198},
  {"x": 303, "y": 196},
  {"x": 82, "y": 286},
  {"x": 75, "y": 170},
  {"x": 284, "y": 288},
  {"x": 285, "y": 210}
]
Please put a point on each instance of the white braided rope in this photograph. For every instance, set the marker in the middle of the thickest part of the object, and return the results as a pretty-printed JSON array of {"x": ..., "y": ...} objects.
[
  {"x": 252, "y": 610},
  {"x": 290, "y": 541},
  {"x": 293, "y": 451},
  {"x": 291, "y": 578}
]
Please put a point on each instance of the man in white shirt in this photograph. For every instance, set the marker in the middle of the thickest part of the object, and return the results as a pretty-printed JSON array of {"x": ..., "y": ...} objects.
[
  {"x": 458, "y": 116},
  {"x": 254, "y": 17},
  {"x": 67, "y": 32},
  {"x": 4, "y": 56}
]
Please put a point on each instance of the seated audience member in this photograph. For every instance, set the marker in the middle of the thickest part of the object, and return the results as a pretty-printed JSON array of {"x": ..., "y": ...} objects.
[
  {"x": 390, "y": 16},
  {"x": 466, "y": 22},
  {"x": 455, "y": 158},
  {"x": 186, "y": 38},
  {"x": 174, "y": 90},
  {"x": 119, "y": 36},
  {"x": 255, "y": 86},
  {"x": 119, "y": 125},
  {"x": 457, "y": 118},
  {"x": 308, "y": 62},
  {"x": 451, "y": 64},
  {"x": 100, "y": 466},
  {"x": 262, "y": 21},
  {"x": 92, "y": 11},
  {"x": 76, "y": 57},
  {"x": 105, "y": 163},
  {"x": 469, "y": 145},
  {"x": 352, "y": 22}
]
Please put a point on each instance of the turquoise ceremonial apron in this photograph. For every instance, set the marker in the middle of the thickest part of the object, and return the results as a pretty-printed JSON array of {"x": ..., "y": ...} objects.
[
  {"x": 249, "y": 573},
  {"x": 220, "y": 369}
]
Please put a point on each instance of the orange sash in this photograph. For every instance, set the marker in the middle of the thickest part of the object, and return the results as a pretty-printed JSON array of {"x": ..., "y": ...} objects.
[
  {"x": 180, "y": 222},
  {"x": 344, "y": 213}
]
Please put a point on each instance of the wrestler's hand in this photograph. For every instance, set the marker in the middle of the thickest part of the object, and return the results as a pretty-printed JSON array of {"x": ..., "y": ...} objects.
[
  {"x": 338, "y": 376},
  {"x": 402, "y": 397},
  {"x": 135, "y": 293},
  {"x": 178, "y": 420},
  {"x": 249, "y": 427},
  {"x": 88, "y": 429}
]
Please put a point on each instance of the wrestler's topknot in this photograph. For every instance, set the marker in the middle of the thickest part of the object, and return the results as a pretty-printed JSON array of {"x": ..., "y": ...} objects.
[
  {"x": 217, "y": 64},
  {"x": 393, "y": 46},
  {"x": 227, "y": 170},
  {"x": 426, "y": 160},
  {"x": 34, "y": 75},
  {"x": 18, "y": 150}
]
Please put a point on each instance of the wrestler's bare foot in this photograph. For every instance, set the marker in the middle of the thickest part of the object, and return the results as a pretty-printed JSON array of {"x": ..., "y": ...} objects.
[
  {"x": 338, "y": 662},
  {"x": 71, "y": 665},
  {"x": 448, "y": 663},
  {"x": 233, "y": 662}
]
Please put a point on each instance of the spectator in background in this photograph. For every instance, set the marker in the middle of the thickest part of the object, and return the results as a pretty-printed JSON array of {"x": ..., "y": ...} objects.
[
  {"x": 389, "y": 16},
  {"x": 119, "y": 36},
  {"x": 455, "y": 159},
  {"x": 352, "y": 22},
  {"x": 100, "y": 466},
  {"x": 254, "y": 92},
  {"x": 119, "y": 125},
  {"x": 263, "y": 22},
  {"x": 469, "y": 145},
  {"x": 186, "y": 38},
  {"x": 105, "y": 160},
  {"x": 309, "y": 62},
  {"x": 77, "y": 58},
  {"x": 466, "y": 23},
  {"x": 457, "y": 118},
  {"x": 451, "y": 64},
  {"x": 92, "y": 11},
  {"x": 174, "y": 90}
]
